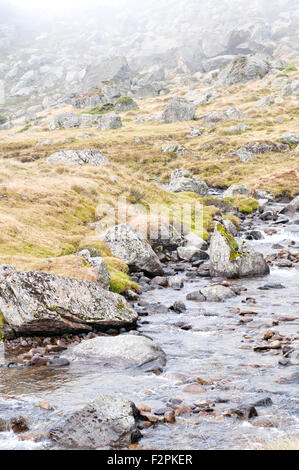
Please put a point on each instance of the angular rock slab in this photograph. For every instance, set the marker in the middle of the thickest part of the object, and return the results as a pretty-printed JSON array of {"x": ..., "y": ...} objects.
[
  {"x": 37, "y": 303},
  {"x": 128, "y": 245},
  {"x": 244, "y": 262},
  {"x": 107, "y": 421},
  {"x": 125, "y": 351}
]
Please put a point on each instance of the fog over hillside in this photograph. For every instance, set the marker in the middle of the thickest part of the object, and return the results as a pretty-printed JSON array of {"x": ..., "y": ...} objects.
[{"x": 45, "y": 49}]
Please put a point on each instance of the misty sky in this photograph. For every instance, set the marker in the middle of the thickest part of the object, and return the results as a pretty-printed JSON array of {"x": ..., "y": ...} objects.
[{"x": 61, "y": 4}]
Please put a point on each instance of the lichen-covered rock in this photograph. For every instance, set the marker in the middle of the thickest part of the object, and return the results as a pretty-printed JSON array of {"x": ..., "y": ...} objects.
[
  {"x": 182, "y": 181},
  {"x": 128, "y": 245},
  {"x": 178, "y": 109},
  {"x": 125, "y": 351},
  {"x": 107, "y": 421},
  {"x": 99, "y": 267},
  {"x": 237, "y": 190},
  {"x": 232, "y": 259},
  {"x": 78, "y": 157},
  {"x": 244, "y": 69},
  {"x": 34, "y": 303}
]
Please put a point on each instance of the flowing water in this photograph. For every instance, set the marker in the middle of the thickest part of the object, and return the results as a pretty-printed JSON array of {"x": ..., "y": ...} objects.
[{"x": 218, "y": 349}]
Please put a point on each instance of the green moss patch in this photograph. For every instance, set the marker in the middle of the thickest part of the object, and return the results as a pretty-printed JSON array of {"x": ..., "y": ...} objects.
[
  {"x": 232, "y": 243},
  {"x": 103, "y": 109}
]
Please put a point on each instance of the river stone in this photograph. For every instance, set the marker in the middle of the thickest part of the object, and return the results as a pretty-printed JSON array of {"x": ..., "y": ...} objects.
[
  {"x": 217, "y": 293},
  {"x": 178, "y": 109},
  {"x": 237, "y": 190},
  {"x": 107, "y": 421},
  {"x": 125, "y": 351},
  {"x": 128, "y": 245},
  {"x": 227, "y": 261},
  {"x": 78, "y": 157},
  {"x": 37, "y": 303}
]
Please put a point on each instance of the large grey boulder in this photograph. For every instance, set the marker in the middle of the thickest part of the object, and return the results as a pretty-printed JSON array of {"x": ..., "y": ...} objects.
[
  {"x": 182, "y": 181},
  {"x": 244, "y": 69},
  {"x": 34, "y": 303},
  {"x": 110, "y": 121},
  {"x": 112, "y": 69},
  {"x": 64, "y": 121},
  {"x": 232, "y": 259},
  {"x": 128, "y": 245},
  {"x": 107, "y": 421},
  {"x": 78, "y": 157},
  {"x": 178, "y": 109},
  {"x": 125, "y": 351}
]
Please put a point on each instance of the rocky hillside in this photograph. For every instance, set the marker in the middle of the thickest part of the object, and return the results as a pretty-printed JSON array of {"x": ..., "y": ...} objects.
[{"x": 111, "y": 129}]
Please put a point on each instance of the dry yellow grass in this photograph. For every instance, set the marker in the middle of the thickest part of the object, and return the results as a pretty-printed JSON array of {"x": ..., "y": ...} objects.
[{"x": 48, "y": 209}]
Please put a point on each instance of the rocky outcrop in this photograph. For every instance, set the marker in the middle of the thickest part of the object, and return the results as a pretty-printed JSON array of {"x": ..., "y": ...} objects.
[
  {"x": 178, "y": 109},
  {"x": 182, "y": 181},
  {"x": 125, "y": 351},
  {"x": 37, "y": 303},
  {"x": 232, "y": 259},
  {"x": 78, "y": 157},
  {"x": 128, "y": 245},
  {"x": 107, "y": 421}
]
